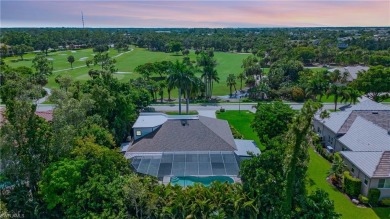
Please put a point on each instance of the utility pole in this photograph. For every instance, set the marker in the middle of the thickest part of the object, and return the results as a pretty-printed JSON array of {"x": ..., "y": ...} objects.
[{"x": 82, "y": 18}]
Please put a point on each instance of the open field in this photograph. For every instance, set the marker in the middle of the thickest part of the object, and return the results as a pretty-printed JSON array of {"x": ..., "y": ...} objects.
[
  {"x": 316, "y": 174},
  {"x": 228, "y": 63}
]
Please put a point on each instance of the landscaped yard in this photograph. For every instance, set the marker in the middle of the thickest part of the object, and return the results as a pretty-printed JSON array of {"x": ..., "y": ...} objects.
[
  {"x": 317, "y": 172},
  {"x": 241, "y": 120}
]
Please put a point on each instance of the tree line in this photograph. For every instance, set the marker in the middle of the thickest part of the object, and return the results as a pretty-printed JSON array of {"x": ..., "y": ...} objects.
[{"x": 71, "y": 167}]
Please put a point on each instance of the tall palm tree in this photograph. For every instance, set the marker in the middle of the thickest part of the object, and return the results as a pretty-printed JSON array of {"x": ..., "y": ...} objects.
[
  {"x": 180, "y": 77},
  {"x": 241, "y": 77},
  {"x": 337, "y": 90},
  {"x": 209, "y": 74},
  {"x": 161, "y": 86},
  {"x": 231, "y": 81},
  {"x": 316, "y": 86}
]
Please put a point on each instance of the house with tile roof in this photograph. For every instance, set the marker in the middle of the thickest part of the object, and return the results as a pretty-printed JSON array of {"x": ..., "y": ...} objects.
[
  {"x": 351, "y": 70},
  {"x": 362, "y": 135},
  {"x": 185, "y": 145}
]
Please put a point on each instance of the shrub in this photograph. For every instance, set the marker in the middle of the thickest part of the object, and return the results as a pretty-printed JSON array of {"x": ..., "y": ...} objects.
[
  {"x": 334, "y": 180},
  {"x": 297, "y": 94},
  {"x": 373, "y": 196},
  {"x": 351, "y": 185},
  {"x": 222, "y": 110},
  {"x": 385, "y": 202},
  {"x": 235, "y": 133},
  {"x": 363, "y": 199}
]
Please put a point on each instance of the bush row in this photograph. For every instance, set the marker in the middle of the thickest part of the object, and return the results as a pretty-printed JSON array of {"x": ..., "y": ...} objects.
[
  {"x": 351, "y": 185},
  {"x": 320, "y": 150}
]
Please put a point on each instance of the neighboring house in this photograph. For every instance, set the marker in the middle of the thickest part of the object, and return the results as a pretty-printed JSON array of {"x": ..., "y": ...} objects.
[
  {"x": 342, "y": 45},
  {"x": 185, "y": 145},
  {"x": 47, "y": 115},
  {"x": 362, "y": 134},
  {"x": 372, "y": 167},
  {"x": 332, "y": 128},
  {"x": 351, "y": 70}
]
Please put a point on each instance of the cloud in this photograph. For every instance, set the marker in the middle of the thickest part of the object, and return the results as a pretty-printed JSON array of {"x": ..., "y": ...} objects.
[{"x": 199, "y": 13}]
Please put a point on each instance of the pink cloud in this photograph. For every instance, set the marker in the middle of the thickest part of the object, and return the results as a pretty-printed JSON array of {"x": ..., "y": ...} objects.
[{"x": 197, "y": 13}]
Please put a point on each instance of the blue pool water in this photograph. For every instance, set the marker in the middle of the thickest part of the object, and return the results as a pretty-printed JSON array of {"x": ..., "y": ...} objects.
[{"x": 191, "y": 180}]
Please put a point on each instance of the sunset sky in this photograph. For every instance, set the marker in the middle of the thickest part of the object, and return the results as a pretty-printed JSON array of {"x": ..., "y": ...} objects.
[{"x": 184, "y": 13}]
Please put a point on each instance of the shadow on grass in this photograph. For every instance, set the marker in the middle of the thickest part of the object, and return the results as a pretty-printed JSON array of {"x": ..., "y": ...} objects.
[{"x": 382, "y": 212}]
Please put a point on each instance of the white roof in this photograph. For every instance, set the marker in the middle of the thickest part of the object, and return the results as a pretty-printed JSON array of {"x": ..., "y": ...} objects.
[
  {"x": 335, "y": 120},
  {"x": 148, "y": 120},
  {"x": 245, "y": 146},
  {"x": 352, "y": 70},
  {"x": 365, "y": 161},
  {"x": 366, "y": 136},
  {"x": 369, "y": 105}
]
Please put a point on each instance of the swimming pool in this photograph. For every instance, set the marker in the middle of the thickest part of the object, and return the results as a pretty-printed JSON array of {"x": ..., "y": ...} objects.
[{"x": 191, "y": 180}]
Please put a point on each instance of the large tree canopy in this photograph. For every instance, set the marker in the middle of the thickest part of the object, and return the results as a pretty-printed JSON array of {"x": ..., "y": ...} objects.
[
  {"x": 271, "y": 120},
  {"x": 374, "y": 82}
]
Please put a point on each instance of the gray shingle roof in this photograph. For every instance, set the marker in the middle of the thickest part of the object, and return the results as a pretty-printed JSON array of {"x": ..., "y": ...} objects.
[
  {"x": 204, "y": 134},
  {"x": 366, "y": 136},
  {"x": 380, "y": 118},
  {"x": 365, "y": 161}
]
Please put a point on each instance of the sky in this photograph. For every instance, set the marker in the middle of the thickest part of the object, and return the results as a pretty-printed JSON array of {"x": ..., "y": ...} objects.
[{"x": 200, "y": 13}]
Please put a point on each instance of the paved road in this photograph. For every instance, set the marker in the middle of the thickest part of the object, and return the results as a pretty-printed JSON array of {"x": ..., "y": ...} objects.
[
  {"x": 242, "y": 106},
  {"x": 203, "y": 107},
  {"x": 197, "y": 107}
]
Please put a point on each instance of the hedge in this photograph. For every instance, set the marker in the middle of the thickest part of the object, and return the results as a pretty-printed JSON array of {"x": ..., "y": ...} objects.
[
  {"x": 385, "y": 202},
  {"x": 363, "y": 199},
  {"x": 373, "y": 196},
  {"x": 351, "y": 185}
]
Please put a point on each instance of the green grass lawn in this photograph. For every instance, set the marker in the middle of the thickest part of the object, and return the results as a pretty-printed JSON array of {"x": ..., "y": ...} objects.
[
  {"x": 317, "y": 173},
  {"x": 227, "y": 63},
  {"x": 191, "y": 112},
  {"x": 241, "y": 121}
]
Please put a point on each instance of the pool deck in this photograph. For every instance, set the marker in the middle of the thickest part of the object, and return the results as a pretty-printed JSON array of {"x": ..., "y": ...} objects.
[{"x": 167, "y": 179}]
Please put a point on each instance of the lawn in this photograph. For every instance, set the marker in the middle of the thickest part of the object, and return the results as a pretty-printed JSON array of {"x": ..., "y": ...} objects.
[
  {"x": 227, "y": 63},
  {"x": 317, "y": 173},
  {"x": 241, "y": 121}
]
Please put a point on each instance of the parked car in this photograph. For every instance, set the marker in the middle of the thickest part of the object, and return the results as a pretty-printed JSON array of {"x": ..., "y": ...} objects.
[{"x": 329, "y": 149}]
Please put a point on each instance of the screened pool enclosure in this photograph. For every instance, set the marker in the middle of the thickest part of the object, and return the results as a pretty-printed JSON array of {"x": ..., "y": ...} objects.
[{"x": 187, "y": 164}]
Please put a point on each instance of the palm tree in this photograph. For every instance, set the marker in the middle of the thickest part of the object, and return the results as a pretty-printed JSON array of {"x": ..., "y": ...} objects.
[
  {"x": 353, "y": 95},
  {"x": 180, "y": 78},
  {"x": 161, "y": 86},
  {"x": 231, "y": 81},
  {"x": 209, "y": 74},
  {"x": 316, "y": 87},
  {"x": 337, "y": 77},
  {"x": 241, "y": 77},
  {"x": 338, "y": 167},
  {"x": 337, "y": 90}
]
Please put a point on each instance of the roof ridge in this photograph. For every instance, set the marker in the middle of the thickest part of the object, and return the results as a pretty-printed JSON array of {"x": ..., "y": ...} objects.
[{"x": 217, "y": 134}]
